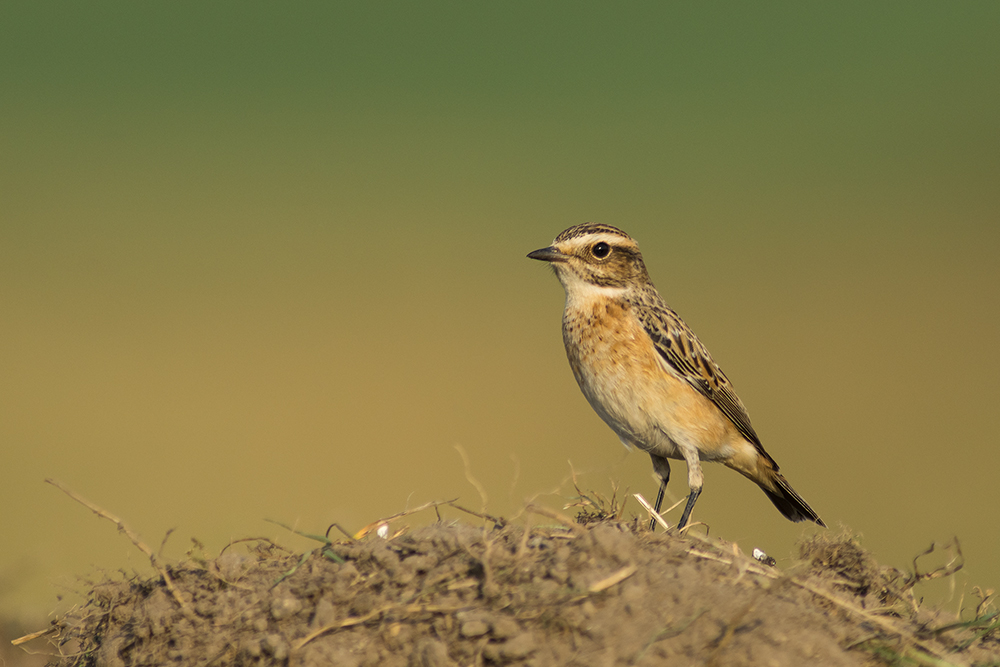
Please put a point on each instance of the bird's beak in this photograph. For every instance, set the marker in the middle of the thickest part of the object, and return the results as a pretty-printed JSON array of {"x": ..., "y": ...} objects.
[{"x": 550, "y": 254}]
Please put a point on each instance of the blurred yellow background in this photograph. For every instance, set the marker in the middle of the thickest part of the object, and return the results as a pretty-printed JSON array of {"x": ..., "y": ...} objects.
[{"x": 269, "y": 262}]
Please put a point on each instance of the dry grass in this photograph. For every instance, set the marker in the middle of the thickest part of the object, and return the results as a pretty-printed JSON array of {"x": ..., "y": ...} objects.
[{"x": 577, "y": 588}]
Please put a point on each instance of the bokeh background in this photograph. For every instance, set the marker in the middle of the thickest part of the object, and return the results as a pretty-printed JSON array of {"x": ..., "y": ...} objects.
[{"x": 268, "y": 261}]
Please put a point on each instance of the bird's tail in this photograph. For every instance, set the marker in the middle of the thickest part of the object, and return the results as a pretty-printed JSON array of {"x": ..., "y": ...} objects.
[{"x": 787, "y": 501}]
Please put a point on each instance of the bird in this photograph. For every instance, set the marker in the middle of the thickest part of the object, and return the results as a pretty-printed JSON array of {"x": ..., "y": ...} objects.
[{"x": 646, "y": 374}]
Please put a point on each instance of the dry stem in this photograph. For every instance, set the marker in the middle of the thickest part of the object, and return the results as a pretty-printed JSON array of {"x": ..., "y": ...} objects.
[{"x": 132, "y": 535}]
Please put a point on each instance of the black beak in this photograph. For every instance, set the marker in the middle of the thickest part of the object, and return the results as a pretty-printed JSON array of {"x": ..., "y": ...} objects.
[{"x": 549, "y": 254}]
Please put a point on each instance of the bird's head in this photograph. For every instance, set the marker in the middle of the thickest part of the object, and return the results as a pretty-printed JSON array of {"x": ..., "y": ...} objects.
[{"x": 594, "y": 256}]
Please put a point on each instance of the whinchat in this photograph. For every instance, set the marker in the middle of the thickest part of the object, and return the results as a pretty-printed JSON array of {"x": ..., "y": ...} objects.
[{"x": 647, "y": 375}]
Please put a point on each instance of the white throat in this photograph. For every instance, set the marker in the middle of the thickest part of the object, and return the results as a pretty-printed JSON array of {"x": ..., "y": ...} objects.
[{"x": 579, "y": 291}]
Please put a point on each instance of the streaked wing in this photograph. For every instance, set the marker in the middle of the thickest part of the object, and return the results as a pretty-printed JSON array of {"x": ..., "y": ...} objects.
[{"x": 682, "y": 350}]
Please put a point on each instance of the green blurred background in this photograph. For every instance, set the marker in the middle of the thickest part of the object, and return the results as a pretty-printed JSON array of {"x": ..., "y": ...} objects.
[{"x": 268, "y": 261}]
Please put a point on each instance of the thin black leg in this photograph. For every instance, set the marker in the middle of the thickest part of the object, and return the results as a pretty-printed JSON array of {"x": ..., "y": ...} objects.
[
  {"x": 661, "y": 466},
  {"x": 689, "y": 506},
  {"x": 656, "y": 505}
]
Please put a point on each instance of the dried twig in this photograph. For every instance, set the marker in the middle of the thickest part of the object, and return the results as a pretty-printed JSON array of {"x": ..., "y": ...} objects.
[
  {"x": 341, "y": 529},
  {"x": 556, "y": 516},
  {"x": 615, "y": 578},
  {"x": 375, "y": 613},
  {"x": 34, "y": 635},
  {"x": 254, "y": 539},
  {"x": 346, "y": 623},
  {"x": 472, "y": 479},
  {"x": 653, "y": 513},
  {"x": 951, "y": 567},
  {"x": 881, "y": 621},
  {"x": 498, "y": 521},
  {"x": 132, "y": 535},
  {"x": 399, "y": 515}
]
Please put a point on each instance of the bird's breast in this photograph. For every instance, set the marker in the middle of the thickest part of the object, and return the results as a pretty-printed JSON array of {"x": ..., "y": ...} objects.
[
  {"x": 626, "y": 382},
  {"x": 615, "y": 364},
  {"x": 604, "y": 340}
]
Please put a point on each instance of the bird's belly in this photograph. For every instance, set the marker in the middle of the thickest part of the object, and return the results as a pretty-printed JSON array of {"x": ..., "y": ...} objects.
[{"x": 623, "y": 379}]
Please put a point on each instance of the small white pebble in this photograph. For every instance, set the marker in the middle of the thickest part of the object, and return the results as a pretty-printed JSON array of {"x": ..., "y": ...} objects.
[
  {"x": 383, "y": 531},
  {"x": 759, "y": 555}
]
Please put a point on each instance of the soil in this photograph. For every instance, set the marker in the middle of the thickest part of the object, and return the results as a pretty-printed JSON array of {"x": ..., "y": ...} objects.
[{"x": 600, "y": 592}]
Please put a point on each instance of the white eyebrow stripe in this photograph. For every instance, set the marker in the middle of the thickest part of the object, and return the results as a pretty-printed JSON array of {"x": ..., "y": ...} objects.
[{"x": 590, "y": 239}]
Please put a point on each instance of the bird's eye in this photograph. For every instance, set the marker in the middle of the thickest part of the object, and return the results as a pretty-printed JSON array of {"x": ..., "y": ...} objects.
[{"x": 601, "y": 250}]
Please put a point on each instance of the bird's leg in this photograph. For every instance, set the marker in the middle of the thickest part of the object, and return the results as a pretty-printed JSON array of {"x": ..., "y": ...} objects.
[
  {"x": 656, "y": 505},
  {"x": 695, "y": 481},
  {"x": 692, "y": 497},
  {"x": 662, "y": 468}
]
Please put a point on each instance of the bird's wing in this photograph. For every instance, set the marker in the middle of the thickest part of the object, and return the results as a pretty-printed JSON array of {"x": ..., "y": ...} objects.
[{"x": 685, "y": 354}]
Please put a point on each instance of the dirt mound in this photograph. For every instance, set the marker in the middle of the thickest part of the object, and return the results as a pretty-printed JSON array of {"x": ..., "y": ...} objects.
[{"x": 605, "y": 593}]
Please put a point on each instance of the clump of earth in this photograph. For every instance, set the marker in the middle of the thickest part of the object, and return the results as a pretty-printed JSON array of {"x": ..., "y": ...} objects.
[{"x": 597, "y": 592}]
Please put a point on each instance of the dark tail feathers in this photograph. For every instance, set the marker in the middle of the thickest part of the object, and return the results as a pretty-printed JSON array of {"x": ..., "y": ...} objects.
[{"x": 790, "y": 503}]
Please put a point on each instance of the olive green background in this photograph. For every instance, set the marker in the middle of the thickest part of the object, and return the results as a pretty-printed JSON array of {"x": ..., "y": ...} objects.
[{"x": 268, "y": 261}]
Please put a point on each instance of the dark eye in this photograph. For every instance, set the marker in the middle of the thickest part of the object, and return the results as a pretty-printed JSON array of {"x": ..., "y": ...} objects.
[{"x": 601, "y": 250}]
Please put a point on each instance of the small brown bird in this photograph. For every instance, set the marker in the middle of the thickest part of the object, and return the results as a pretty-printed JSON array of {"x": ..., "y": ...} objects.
[{"x": 647, "y": 375}]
